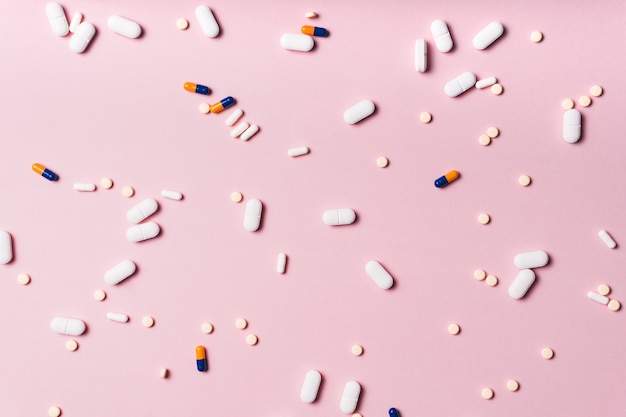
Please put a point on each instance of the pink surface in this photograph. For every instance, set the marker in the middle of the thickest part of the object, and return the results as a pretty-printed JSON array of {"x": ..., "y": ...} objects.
[{"x": 119, "y": 111}]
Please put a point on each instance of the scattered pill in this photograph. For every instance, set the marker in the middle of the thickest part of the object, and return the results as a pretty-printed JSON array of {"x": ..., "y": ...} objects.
[
  {"x": 204, "y": 108},
  {"x": 314, "y": 31},
  {"x": 182, "y": 23},
  {"x": 252, "y": 216},
  {"x": 142, "y": 211},
  {"x": 521, "y": 284},
  {"x": 379, "y": 274},
  {"x": 491, "y": 280},
  {"x": 536, "y": 36},
  {"x": 143, "y": 232},
  {"x": 128, "y": 191},
  {"x": 488, "y": 35},
  {"x": 54, "y": 411},
  {"x": 71, "y": 345},
  {"x": 357, "y": 350},
  {"x": 604, "y": 289},
  {"x": 118, "y": 317},
  {"x": 241, "y": 323},
  {"x": 393, "y": 412},
  {"x": 382, "y": 162},
  {"x": 310, "y": 15},
  {"x": 147, "y": 321},
  {"x": 57, "y": 19},
  {"x": 454, "y": 329},
  {"x": 567, "y": 104},
  {"x": 207, "y": 328},
  {"x": 607, "y": 239},
  {"x": 81, "y": 38},
  {"x": 596, "y": 91},
  {"x": 106, "y": 183},
  {"x": 236, "y": 197},
  {"x": 44, "y": 172},
  {"x": 201, "y": 362},
  {"x": 6, "y": 247},
  {"x": 339, "y": 217},
  {"x": 446, "y": 179},
  {"x": 483, "y": 218},
  {"x": 486, "y": 82},
  {"x": 281, "y": 263},
  {"x": 196, "y": 88},
  {"x": 426, "y": 117},
  {"x": 599, "y": 298},
  {"x": 486, "y": 393},
  {"x": 23, "y": 279},
  {"x": 350, "y": 397},
  {"x": 120, "y": 272},
  {"x": 76, "y": 19},
  {"x": 234, "y": 116},
  {"x": 310, "y": 386},
  {"x": 484, "y": 140},
  {"x": 529, "y": 260},
  {"x": 572, "y": 125},
  {"x": 124, "y": 26},
  {"x": 460, "y": 84},
  {"x": 493, "y": 132},
  {"x": 171, "y": 195},
  {"x": 223, "y": 104},
  {"x": 71, "y": 327},
  {"x": 249, "y": 132},
  {"x": 480, "y": 274},
  {"x": 441, "y": 35},
  {"x": 359, "y": 111},
  {"x": 163, "y": 373},
  {"x": 421, "y": 52},
  {"x": 79, "y": 186},
  {"x": 614, "y": 305},
  {"x": 496, "y": 89},
  {"x": 207, "y": 21},
  {"x": 297, "y": 42},
  {"x": 524, "y": 180},
  {"x": 302, "y": 150},
  {"x": 252, "y": 339},
  {"x": 512, "y": 385},
  {"x": 99, "y": 295},
  {"x": 547, "y": 353},
  {"x": 584, "y": 101}
]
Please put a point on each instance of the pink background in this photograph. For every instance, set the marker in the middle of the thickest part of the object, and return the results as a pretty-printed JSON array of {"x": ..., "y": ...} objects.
[{"x": 119, "y": 111}]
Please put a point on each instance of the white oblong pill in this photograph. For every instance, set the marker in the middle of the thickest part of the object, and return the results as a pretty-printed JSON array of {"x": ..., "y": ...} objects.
[
  {"x": 420, "y": 55},
  {"x": 310, "y": 386},
  {"x": 359, "y": 111},
  {"x": 120, "y": 272},
  {"x": 119, "y": 317},
  {"x": 441, "y": 34},
  {"x": 79, "y": 186},
  {"x": 239, "y": 129},
  {"x": 57, "y": 19},
  {"x": 249, "y": 132},
  {"x": 607, "y": 239},
  {"x": 143, "y": 231},
  {"x": 297, "y": 42},
  {"x": 350, "y": 397},
  {"x": 339, "y": 217},
  {"x": 76, "y": 19},
  {"x": 81, "y": 38},
  {"x": 460, "y": 84},
  {"x": 302, "y": 150},
  {"x": 6, "y": 247},
  {"x": 207, "y": 21},
  {"x": 602, "y": 299},
  {"x": 281, "y": 263},
  {"x": 488, "y": 35},
  {"x": 252, "y": 216},
  {"x": 379, "y": 274},
  {"x": 572, "y": 125},
  {"x": 232, "y": 119},
  {"x": 124, "y": 26},
  {"x": 64, "y": 325},
  {"x": 172, "y": 195},
  {"x": 528, "y": 260},
  {"x": 142, "y": 210},
  {"x": 522, "y": 283},
  {"x": 486, "y": 82}
]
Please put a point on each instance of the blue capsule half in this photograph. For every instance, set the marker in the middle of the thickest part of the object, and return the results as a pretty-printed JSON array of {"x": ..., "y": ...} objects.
[{"x": 393, "y": 412}]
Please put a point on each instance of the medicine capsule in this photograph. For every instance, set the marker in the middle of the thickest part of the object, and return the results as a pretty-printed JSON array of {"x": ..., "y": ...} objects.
[
  {"x": 45, "y": 172},
  {"x": 222, "y": 105},
  {"x": 201, "y": 363},
  {"x": 446, "y": 179},
  {"x": 314, "y": 31},
  {"x": 196, "y": 88}
]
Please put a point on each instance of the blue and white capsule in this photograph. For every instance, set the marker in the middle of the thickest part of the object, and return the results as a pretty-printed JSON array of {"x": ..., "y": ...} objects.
[{"x": 446, "y": 179}]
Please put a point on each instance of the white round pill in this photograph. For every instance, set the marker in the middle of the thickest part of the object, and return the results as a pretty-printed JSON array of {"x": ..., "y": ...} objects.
[
  {"x": 493, "y": 132},
  {"x": 71, "y": 345},
  {"x": 252, "y": 339},
  {"x": 480, "y": 274},
  {"x": 547, "y": 353},
  {"x": 491, "y": 280},
  {"x": 99, "y": 295},
  {"x": 426, "y": 117},
  {"x": 241, "y": 323},
  {"x": 128, "y": 191},
  {"x": 207, "y": 328},
  {"x": 484, "y": 140},
  {"x": 106, "y": 183},
  {"x": 567, "y": 104},
  {"x": 596, "y": 91},
  {"x": 483, "y": 218},
  {"x": 512, "y": 385},
  {"x": 236, "y": 197},
  {"x": 524, "y": 180},
  {"x": 614, "y": 305},
  {"x": 604, "y": 289},
  {"x": 487, "y": 393},
  {"x": 147, "y": 321},
  {"x": 204, "y": 108},
  {"x": 584, "y": 101},
  {"x": 357, "y": 350},
  {"x": 496, "y": 89},
  {"x": 54, "y": 411},
  {"x": 382, "y": 161},
  {"x": 182, "y": 23},
  {"x": 453, "y": 329},
  {"x": 23, "y": 279},
  {"x": 536, "y": 36},
  {"x": 163, "y": 373}
]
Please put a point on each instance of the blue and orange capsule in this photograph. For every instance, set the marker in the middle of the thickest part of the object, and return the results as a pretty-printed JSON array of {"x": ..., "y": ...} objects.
[
  {"x": 201, "y": 362},
  {"x": 446, "y": 179},
  {"x": 223, "y": 104},
  {"x": 314, "y": 31},
  {"x": 197, "y": 88},
  {"x": 45, "y": 172}
]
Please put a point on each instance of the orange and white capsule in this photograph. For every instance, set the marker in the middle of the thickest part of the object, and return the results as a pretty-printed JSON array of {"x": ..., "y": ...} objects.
[
  {"x": 446, "y": 179},
  {"x": 201, "y": 362}
]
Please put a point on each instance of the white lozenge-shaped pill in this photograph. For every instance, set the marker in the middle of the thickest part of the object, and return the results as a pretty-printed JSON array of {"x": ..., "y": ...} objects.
[
  {"x": 142, "y": 210},
  {"x": 76, "y": 19},
  {"x": 350, "y": 397},
  {"x": 441, "y": 34},
  {"x": 486, "y": 82},
  {"x": 460, "y": 84},
  {"x": 488, "y": 35},
  {"x": 207, "y": 21},
  {"x": 359, "y": 111},
  {"x": 64, "y": 325},
  {"x": 339, "y": 217},
  {"x": 124, "y": 26},
  {"x": 252, "y": 216},
  {"x": 85, "y": 187},
  {"x": 232, "y": 119},
  {"x": 120, "y": 272},
  {"x": 297, "y": 42},
  {"x": 57, "y": 19},
  {"x": 143, "y": 231},
  {"x": 119, "y": 317},
  {"x": 572, "y": 125},
  {"x": 171, "y": 195},
  {"x": 522, "y": 283},
  {"x": 421, "y": 52},
  {"x": 310, "y": 386},
  {"x": 249, "y": 132},
  {"x": 239, "y": 129},
  {"x": 529, "y": 260},
  {"x": 599, "y": 298},
  {"x": 379, "y": 274},
  {"x": 607, "y": 239},
  {"x": 81, "y": 38},
  {"x": 6, "y": 247},
  {"x": 281, "y": 263},
  {"x": 302, "y": 150}
]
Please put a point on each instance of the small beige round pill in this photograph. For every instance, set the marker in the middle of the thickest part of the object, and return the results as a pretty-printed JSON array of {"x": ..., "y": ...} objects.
[
  {"x": 99, "y": 295},
  {"x": 614, "y": 305},
  {"x": 163, "y": 373},
  {"x": 106, "y": 183},
  {"x": 454, "y": 329},
  {"x": 536, "y": 36},
  {"x": 487, "y": 393},
  {"x": 512, "y": 385},
  {"x": 496, "y": 89},
  {"x": 483, "y": 218},
  {"x": 426, "y": 117},
  {"x": 182, "y": 23},
  {"x": 493, "y": 132},
  {"x": 207, "y": 328},
  {"x": 128, "y": 191},
  {"x": 204, "y": 108},
  {"x": 310, "y": 15},
  {"x": 236, "y": 197},
  {"x": 604, "y": 289},
  {"x": 584, "y": 101},
  {"x": 567, "y": 104},
  {"x": 241, "y": 324},
  {"x": 524, "y": 180},
  {"x": 484, "y": 140},
  {"x": 382, "y": 161},
  {"x": 547, "y": 353},
  {"x": 357, "y": 415},
  {"x": 480, "y": 274},
  {"x": 23, "y": 279},
  {"x": 357, "y": 350},
  {"x": 252, "y": 339},
  {"x": 71, "y": 345},
  {"x": 54, "y": 411},
  {"x": 147, "y": 321},
  {"x": 491, "y": 280},
  {"x": 596, "y": 91}
]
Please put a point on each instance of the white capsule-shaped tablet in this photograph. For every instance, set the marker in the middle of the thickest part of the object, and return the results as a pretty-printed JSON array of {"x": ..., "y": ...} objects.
[
  {"x": 239, "y": 129},
  {"x": 80, "y": 186},
  {"x": 339, "y": 217},
  {"x": 486, "y": 82},
  {"x": 310, "y": 386},
  {"x": 350, "y": 397},
  {"x": 252, "y": 216},
  {"x": 488, "y": 35},
  {"x": 6, "y": 247},
  {"x": 120, "y": 272},
  {"x": 143, "y": 231},
  {"x": 142, "y": 210},
  {"x": 232, "y": 119},
  {"x": 64, "y": 325},
  {"x": 522, "y": 283},
  {"x": 572, "y": 125},
  {"x": 76, "y": 19},
  {"x": 420, "y": 55},
  {"x": 302, "y": 150},
  {"x": 297, "y": 42},
  {"x": 599, "y": 298},
  {"x": 379, "y": 274},
  {"x": 359, "y": 111},
  {"x": 460, "y": 84},
  {"x": 81, "y": 38},
  {"x": 171, "y": 195},
  {"x": 529, "y": 260},
  {"x": 607, "y": 239},
  {"x": 441, "y": 35},
  {"x": 57, "y": 19},
  {"x": 119, "y": 317},
  {"x": 207, "y": 21},
  {"x": 124, "y": 26},
  {"x": 249, "y": 132},
  {"x": 281, "y": 263}
]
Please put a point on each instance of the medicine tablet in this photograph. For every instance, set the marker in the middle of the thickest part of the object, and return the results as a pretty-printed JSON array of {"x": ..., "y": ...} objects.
[
  {"x": 483, "y": 218},
  {"x": 486, "y": 393},
  {"x": 106, "y": 183},
  {"x": 171, "y": 195},
  {"x": 454, "y": 329},
  {"x": 236, "y": 197},
  {"x": 252, "y": 339},
  {"x": 441, "y": 35},
  {"x": 81, "y": 38},
  {"x": 460, "y": 84},
  {"x": 379, "y": 274},
  {"x": 599, "y": 298},
  {"x": 54, "y": 411},
  {"x": 567, "y": 104},
  {"x": 584, "y": 101},
  {"x": 71, "y": 345},
  {"x": 310, "y": 386},
  {"x": 604, "y": 289},
  {"x": 163, "y": 373},
  {"x": 521, "y": 284},
  {"x": 484, "y": 140},
  {"x": 496, "y": 89},
  {"x": 147, "y": 321},
  {"x": 142, "y": 211},
  {"x": 350, "y": 397},
  {"x": 359, "y": 111},
  {"x": 239, "y": 129},
  {"x": 99, "y": 295},
  {"x": 302, "y": 150},
  {"x": 382, "y": 162},
  {"x": 120, "y": 272},
  {"x": 547, "y": 353},
  {"x": 479, "y": 274},
  {"x": 425, "y": 117},
  {"x": 357, "y": 350},
  {"x": 488, "y": 35},
  {"x": 491, "y": 280},
  {"x": 23, "y": 279},
  {"x": 207, "y": 328},
  {"x": 512, "y": 385},
  {"x": 118, "y": 317},
  {"x": 572, "y": 125},
  {"x": 614, "y": 305},
  {"x": 281, "y": 263},
  {"x": 310, "y": 15},
  {"x": 297, "y": 42},
  {"x": 421, "y": 52},
  {"x": 6, "y": 247},
  {"x": 241, "y": 323},
  {"x": 339, "y": 217},
  {"x": 524, "y": 180},
  {"x": 252, "y": 216},
  {"x": 128, "y": 191},
  {"x": 64, "y": 325},
  {"x": 182, "y": 23},
  {"x": 76, "y": 19},
  {"x": 493, "y": 132},
  {"x": 234, "y": 116},
  {"x": 536, "y": 36},
  {"x": 249, "y": 132},
  {"x": 57, "y": 19},
  {"x": 204, "y": 108},
  {"x": 124, "y": 26},
  {"x": 486, "y": 82},
  {"x": 79, "y": 186},
  {"x": 207, "y": 21},
  {"x": 529, "y": 260},
  {"x": 143, "y": 232},
  {"x": 596, "y": 91},
  {"x": 607, "y": 239}
]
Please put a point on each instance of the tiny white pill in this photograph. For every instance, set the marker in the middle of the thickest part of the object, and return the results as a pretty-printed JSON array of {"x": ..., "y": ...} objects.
[
  {"x": 119, "y": 317},
  {"x": 57, "y": 19},
  {"x": 604, "y": 289},
  {"x": 607, "y": 239},
  {"x": 81, "y": 38},
  {"x": 252, "y": 339},
  {"x": 379, "y": 274},
  {"x": 64, "y": 325},
  {"x": 106, "y": 183},
  {"x": 249, "y": 132},
  {"x": 350, "y": 397},
  {"x": 76, "y": 19},
  {"x": 143, "y": 231},
  {"x": 23, "y": 279},
  {"x": 99, "y": 295},
  {"x": 241, "y": 323},
  {"x": 536, "y": 36},
  {"x": 359, "y": 111},
  {"x": 206, "y": 328},
  {"x": 79, "y": 186},
  {"x": 310, "y": 386},
  {"x": 124, "y": 26},
  {"x": 522, "y": 283},
  {"x": 302, "y": 150},
  {"x": 207, "y": 21},
  {"x": 310, "y": 15},
  {"x": 529, "y": 260},
  {"x": 6, "y": 247},
  {"x": 54, "y": 411},
  {"x": 239, "y": 129},
  {"x": 71, "y": 345},
  {"x": 338, "y": 217},
  {"x": 497, "y": 89},
  {"x": 147, "y": 321},
  {"x": 441, "y": 34},
  {"x": 232, "y": 119},
  {"x": 460, "y": 84},
  {"x": 142, "y": 210},
  {"x": 572, "y": 125},
  {"x": 598, "y": 297},
  {"x": 172, "y": 195},
  {"x": 120, "y": 272},
  {"x": 163, "y": 373},
  {"x": 357, "y": 350},
  {"x": 488, "y": 35},
  {"x": 128, "y": 191},
  {"x": 281, "y": 263},
  {"x": 182, "y": 23},
  {"x": 297, "y": 42},
  {"x": 486, "y": 82},
  {"x": 421, "y": 52},
  {"x": 252, "y": 216}
]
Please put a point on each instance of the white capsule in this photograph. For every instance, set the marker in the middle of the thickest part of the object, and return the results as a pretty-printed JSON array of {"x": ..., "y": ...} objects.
[
  {"x": 76, "y": 19},
  {"x": 119, "y": 317},
  {"x": 488, "y": 35},
  {"x": 239, "y": 129},
  {"x": 460, "y": 84},
  {"x": 339, "y": 217},
  {"x": 232, "y": 119},
  {"x": 421, "y": 51},
  {"x": 441, "y": 34},
  {"x": 572, "y": 125},
  {"x": 302, "y": 150},
  {"x": 79, "y": 186},
  {"x": 64, "y": 325},
  {"x": 81, "y": 38},
  {"x": 252, "y": 216},
  {"x": 57, "y": 19},
  {"x": 310, "y": 386},
  {"x": 6, "y": 247},
  {"x": 350, "y": 397},
  {"x": 607, "y": 239},
  {"x": 297, "y": 42},
  {"x": 379, "y": 274},
  {"x": 281, "y": 263},
  {"x": 143, "y": 231},
  {"x": 486, "y": 82},
  {"x": 359, "y": 111},
  {"x": 598, "y": 297},
  {"x": 142, "y": 210},
  {"x": 172, "y": 195},
  {"x": 120, "y": 272},
  {"x": 124, "y": 26},
  {"x": 521, "y": 284},
  {"x": 251, "y": 131},
  {"x": 207, "y": 21},
  {"x": 528, "y": 260}
]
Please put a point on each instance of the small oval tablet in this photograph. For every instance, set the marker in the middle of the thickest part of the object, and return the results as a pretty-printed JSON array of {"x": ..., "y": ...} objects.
[
  {"x": 143, "y": 232},
  {"x": 252, "y": 216},
  {"x": 599, "y": 298},
  {"x": 359, "y": 111},
  {"x": 297, "y": 42},
  {"x": 350, "y": 397},
  {"x": 420, "y": 55},
  {"x": 339, "y": 217},
  {"x": 607, "y": 239},
  {"x": 124, "y": 26},
  {"x": 567, "y": 104},
  {"x": 310, "y": 386},
  {"x": 379, "y": 274},
  {"x": 302, "y": 150},
  {"x": 488, "y": 35},
  {"x": 572, "y": 125},
  {"x": 118, "y": 317},
  {"x": 234, "y": 116},
  {"x": 281, "y": 263},
  {"x": 493, "y": 132},
  {"x": 460, "y": 84},
  {"x": 207, "y": 21},
  {"x": 529, "y": 260},
  {"x": 76, "y": 19},
  {"x": 485, "y": 82},
  {"x": 239, "y": 129},
  {"x": 142, "y": 210},
  {"x": 120, "y": 272},
  {"x": 522, "y": 283},
  {"x": 171, "y": 195},
  {"x": 57, "y": 19},
  {"x": 81, "y": 38},
  {"x": 64, "y": 325},
  {"x": 441, "y": 34},
  {"x": 6, "y": 247},
  {"x": 80, "y": 186}
]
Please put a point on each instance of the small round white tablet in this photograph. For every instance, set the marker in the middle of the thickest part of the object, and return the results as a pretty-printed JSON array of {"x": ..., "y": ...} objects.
[
  {"x": 357, "y": 350},
  {"x": 204, "y": 108},
  {"x": 486, "y": 393},
  {"x": 614, "y": 305},
  {"x": 480, "y": 274},
  {"x": 547, "y": 353},
  {"x": 382, "y": 161},
  {"x": 71, "y": 345},
  {"x": 236, "y": 197},
  {"x": 496, "y": 89},
  {"x": 484, "y": 140},
  {"x": 483, "y": 218},
  {"x": 23, "y": 279},
  {"x": 567, "y": 104},
  {"x": 454, "y": 329},
  {"x": 182, "y": 23},
  {"x": 425, "y": 117},
  {"x": 106, "y": 183},
  {"x": 584, "y": 101},
  {"x": 536, "y": 36},
  {"x": 241, "y": 323},
  {"x": 147, "y": 321},
  {"x": 128, "y": 191},
  {"x": 596, "y": 91},
  {"x": 493, "y": 132},
  {"x": 99, "y": 295},
  {"x": 252, "y": 339},
  {"x": 163, "y": 373},
  {"x": 491, "y": 280},
  {"x": 512, "y": 385},
  {"x": 207, "y": 328},
  {"x": 54, "y": 411},
  {"x": 604, "y": 289},
  {"x": 524, "y": 180}
]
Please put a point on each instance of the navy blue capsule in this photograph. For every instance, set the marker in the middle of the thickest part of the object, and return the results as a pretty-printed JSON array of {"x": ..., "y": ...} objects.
[
  {"x": 314, "y": 31},
  {"x": 197, "y": 88},
  {"x": 393, "y": 412},
  {"x": 45, "y": 172},
  {"x": 446, "y": 179}
]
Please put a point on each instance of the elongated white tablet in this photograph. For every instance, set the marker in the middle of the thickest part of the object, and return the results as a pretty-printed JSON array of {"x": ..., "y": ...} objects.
[
  {"x": 529, "y": 260},
  {"x": 252, "y": 216},
  {"x": 572, "y": 125},
  {"x": 486, "y": 82},
  {"x": 460, "y": 84},
  {"x": 359, "y": 111},
  {"x": 599, "y": 298},
  {"x": 124, "y": 26},
  {"x": 119, "y": 317},
  {"x": 143, "y": 231},
  {"x": 80, "y": 186},
  {"x": 76, "y": 19},
  {"x": 6, "y": 247},
  {"x": 249, "y": 132},
  {"x": 420, "y": 55},
  {"x": 207, "y": 21},
  {"x": 302, "y": 150},
  {"x": 297, "y": 42},
  {"x": 339, "y": 217},
  {"x": 120, "y": 272},
  {"x": 81, "y": 38},
  {"x": 310, "y": 386},
  {"x": 379, "y": 274},
  {"x": 142, "y": 210},
  {"x": 607, "y": 239},
  {"x": 232, "y": 119},
  {"x": 239, "y": 129},
  {"x": 488, "y": 35},
  {"x": 171, "y": 195},
  {"x": 441, "y": 35},
  {"x": 281, "y": 263},
  {"x": 57, "y": 19},
  {"x": 64, "y": 325},
  {"x": 350, "y": 397},
  {"x": 522, "y": 283}
]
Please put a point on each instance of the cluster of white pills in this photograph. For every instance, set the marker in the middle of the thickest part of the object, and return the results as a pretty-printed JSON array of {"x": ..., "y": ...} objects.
[
  {"x": 525, "y": 278},
  {"x": 243, "y": 130},
  {"x": 349, "y": 398}
]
